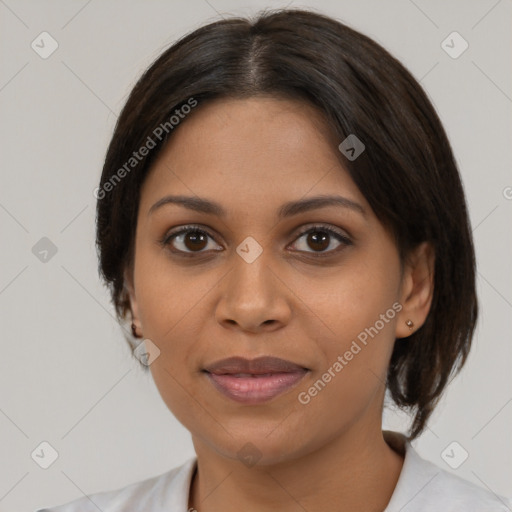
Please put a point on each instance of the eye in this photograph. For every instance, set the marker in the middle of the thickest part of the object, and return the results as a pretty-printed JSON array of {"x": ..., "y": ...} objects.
[
  {"x": 191, "y": 239},
  {"x": 320, "y": 238}
]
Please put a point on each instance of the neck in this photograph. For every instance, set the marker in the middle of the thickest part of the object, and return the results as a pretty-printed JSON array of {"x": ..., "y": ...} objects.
[{"x": 356, "y": 471}]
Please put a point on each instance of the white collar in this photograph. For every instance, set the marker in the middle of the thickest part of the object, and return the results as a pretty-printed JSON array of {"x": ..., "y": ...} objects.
[{"x": 422, "y": 487}]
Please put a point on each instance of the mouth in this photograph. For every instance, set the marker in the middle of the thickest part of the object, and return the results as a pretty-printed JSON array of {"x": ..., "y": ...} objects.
[{"x": 253, "y": 381}]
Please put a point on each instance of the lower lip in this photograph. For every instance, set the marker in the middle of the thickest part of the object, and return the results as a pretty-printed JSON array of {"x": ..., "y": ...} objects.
[{"x": 255, "y": 390}]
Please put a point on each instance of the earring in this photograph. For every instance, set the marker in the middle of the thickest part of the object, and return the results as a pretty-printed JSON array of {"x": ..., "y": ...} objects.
[{"x": 409, "y": 324}]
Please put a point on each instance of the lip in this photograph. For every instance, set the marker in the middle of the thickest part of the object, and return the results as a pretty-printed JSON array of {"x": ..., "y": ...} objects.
[
  {"x": 253, "y": 381},
  {"x": 257, "y": 366}
]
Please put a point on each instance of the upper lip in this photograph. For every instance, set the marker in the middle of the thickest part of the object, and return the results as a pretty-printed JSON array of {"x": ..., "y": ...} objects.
[{"x": 258, "y": 366}]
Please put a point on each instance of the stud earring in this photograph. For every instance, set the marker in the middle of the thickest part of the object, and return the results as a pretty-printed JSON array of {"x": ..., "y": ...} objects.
[{"x": 409, "y": 324}]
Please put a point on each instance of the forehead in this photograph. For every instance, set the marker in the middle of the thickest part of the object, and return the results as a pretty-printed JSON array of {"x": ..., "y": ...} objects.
[{"x": 253, "y": 150}]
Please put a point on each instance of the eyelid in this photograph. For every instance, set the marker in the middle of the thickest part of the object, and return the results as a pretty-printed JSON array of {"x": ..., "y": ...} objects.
[
  {"x": 173, "y": 233},
  {"x": 343, "y": 236},
  {"x": 327, "y": 227}
]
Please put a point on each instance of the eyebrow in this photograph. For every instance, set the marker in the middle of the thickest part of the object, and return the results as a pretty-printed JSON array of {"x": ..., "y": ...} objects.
[{"x": 288, "y": 209}]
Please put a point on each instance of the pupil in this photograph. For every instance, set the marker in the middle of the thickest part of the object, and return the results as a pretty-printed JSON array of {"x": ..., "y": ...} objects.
[
  {"x": 195, "y": 237},
  {"x": 319, "y": 240}
]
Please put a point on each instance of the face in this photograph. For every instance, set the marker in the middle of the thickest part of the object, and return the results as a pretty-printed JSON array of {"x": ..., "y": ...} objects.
[{"x": 321, "y": 288}]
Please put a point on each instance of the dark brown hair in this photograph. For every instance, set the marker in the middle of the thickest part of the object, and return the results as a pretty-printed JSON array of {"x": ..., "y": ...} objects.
[{"x": 407, "y": 172}]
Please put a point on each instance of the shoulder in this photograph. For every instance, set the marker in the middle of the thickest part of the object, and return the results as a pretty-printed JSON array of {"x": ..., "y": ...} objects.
[
  {"x": 461, "y": 495},
  {"x": 170, "y": 488},
  {"x": 451, "y": 493},
  {"x": 423, "y": 486}
]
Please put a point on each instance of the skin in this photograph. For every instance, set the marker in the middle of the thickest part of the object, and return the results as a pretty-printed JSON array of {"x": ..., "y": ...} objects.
[{"x": 251, "y": 156}]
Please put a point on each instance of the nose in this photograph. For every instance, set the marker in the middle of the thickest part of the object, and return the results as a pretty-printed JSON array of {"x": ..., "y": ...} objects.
[{"x": 253, "y": 297}]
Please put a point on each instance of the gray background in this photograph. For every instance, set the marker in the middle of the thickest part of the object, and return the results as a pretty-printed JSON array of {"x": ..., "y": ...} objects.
[{"x": 66, "y": 374}]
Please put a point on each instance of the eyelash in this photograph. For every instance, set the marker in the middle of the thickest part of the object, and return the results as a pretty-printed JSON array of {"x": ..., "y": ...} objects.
[{"x": 165, "y": 241}]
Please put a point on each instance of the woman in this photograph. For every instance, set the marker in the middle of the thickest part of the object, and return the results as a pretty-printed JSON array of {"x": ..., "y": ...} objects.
[{"x": 281, "y": 220}]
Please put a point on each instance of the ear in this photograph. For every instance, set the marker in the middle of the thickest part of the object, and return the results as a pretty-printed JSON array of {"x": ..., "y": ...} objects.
[
  {"x": 417, "y": 289},
  {"x": 130, "y": 289}
]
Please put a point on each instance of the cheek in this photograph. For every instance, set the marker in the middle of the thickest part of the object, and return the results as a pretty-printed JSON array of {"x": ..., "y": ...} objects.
[
  {"x": 356, "y": 297},
  {"x": 167, "y": 298},
  {"x": 170, "y": 312},
  {"x": 171, "y": 304},
  {"x": 360, "y": 310},
  {"x": 352, "y": 380}
]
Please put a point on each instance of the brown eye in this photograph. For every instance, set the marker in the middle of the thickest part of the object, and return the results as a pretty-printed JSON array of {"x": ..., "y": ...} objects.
[
  {"x": 195, "y": 240},
  {"x": 319, "y": 238},
  {"x": 189, "y": 239}
]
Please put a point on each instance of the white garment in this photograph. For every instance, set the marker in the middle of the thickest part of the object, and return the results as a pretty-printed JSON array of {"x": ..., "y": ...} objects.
[{"x": 422, "y": 486}]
